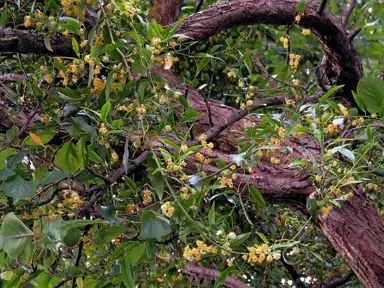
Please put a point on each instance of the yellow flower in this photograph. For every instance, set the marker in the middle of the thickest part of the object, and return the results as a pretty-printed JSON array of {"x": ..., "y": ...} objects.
[
  {"x": 103, "y": 130},
  {"x": 297, "y": 19},
  {"x": 168, "y": 128},
  {"x": 249, "y": 103},
  {"x": 83, "y": 43},
  {"x": 285, "y": 42},
  {"x": 115, "y": 157},
  {"x": 167, "y": 209},
  {"x": 295, "y": 82},
  {"x": 27, "y": 21},
  {"x": 306, "y": 32}
]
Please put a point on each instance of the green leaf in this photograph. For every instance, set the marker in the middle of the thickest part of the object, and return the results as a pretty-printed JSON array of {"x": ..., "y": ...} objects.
[
  {"x": 82, "y": 153},
  {"x": 348, "y": 153},
  {"x": 47, "y": 42},
  {"x": 107, "y": 234},
  {"x": 156, "y": 177},
  {"x": 76, "y": 223},
  {"x": 105, "y": 110},
  {"x": 262, "y": 237},
  {"x": 370, "y": 91},
  {"x": 223, "y": 275},
  {"x": 257, "y": 197},
  {"x": 154, "y": 228},
  {"x": 51, "y": 177},
  {"x": 247, "y": 61},
  {"x": 5, "y": 173},
  {"x": 329, "y": 93},
  {"x": 75, "y": 47},
  {"x": 300, "y": 6},
  {"x": 312, "y": 208},
  {"x": 71, "y": 237},
  {"x": 126, "y": 275},
  {"x": 18, "y": 188},
  {"x": 14, "y": 235},
  {"x": 45, "y": 137},
  {"x": 71, "y": 272},
  {"x": 4, "y": 155},
  {"x": 239, "y": 239},
  {"x": 67, "y": 158},
  {"x": 203, "y": 62},
  {"x": 190, "y": 115},
  {"x": 126, "y": 156},
  {"x": 211, "y": 214}
]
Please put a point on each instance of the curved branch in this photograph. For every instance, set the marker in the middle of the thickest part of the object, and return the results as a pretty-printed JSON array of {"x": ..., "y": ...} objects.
[{"x": 346, "y": 66}]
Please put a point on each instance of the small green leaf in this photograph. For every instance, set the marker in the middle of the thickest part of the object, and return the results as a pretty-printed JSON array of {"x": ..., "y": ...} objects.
[
  {"x": 82, "y": 152},
  {"x": 67, "y": 158},
  {"x": 154, "y": 228},
  {"x": 370, "y": 91},
  {"x": 156, "y": 177},
  {"x": 47, "y": 42},
  {"x": 14, "y": 235},
  {"x": 257, "y": 197},
  {"x": 300, "y": 6},
  {"x": 126, "y": 157},
  {"x": 126, "y": 275},
  {"x": 71, "y": 272},
  {"x": 75, "y": 47},
  {"x": 190, "y": 115},
  {"x": 329, "y": 92},
  {"x": 71, "y": 237},
  {"x": 51, "y": 177},
  {"x": 211, "y": 214},
  {"x": 5, "y": 173},
  {"x": 262, "y": 237},
  {"x": 107, "y": 234},
  {"x": 223, "y": 275},
  {"x": 239, "y": 239},
  {"x": 105, "y": 110},
  {"x": 18, "y": 188},
  {"x": 312, "y": 208}
]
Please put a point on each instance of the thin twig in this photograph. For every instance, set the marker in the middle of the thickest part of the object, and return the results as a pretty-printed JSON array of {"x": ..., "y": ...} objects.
[
  {"x": 322, "y": 6},
  {"x": 261, "y": 68},
  {"x": 80, "y": 251},
  {"x": 198, "y": 6},
  {"x": 347, "y": 13},
  {"x": 353, "y": 33},
  {"x": 341, "y": 281}
]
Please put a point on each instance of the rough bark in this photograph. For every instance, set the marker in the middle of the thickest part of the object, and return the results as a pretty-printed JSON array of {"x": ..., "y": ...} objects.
[
  {"x": 357, "y": 233},
  {"x": 165, "y": 12},
  {"x": 29, "y": 41}
]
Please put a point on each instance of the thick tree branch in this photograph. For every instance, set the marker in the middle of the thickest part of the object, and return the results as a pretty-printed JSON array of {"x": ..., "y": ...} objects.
[
  {"x": 346, "y": 66},
  {"x": 29, "y": 41},
  {"x": 13, "y": 77}
]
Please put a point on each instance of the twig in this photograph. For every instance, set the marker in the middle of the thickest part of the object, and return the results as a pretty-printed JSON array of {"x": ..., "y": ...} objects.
[
  {"x": 13, "y": 77},
  {"x": 341, "y": 281},
  {"x": 198, "y": 6},
  {"x": 25, "y": 127},
  {"x": 77, "y": 261},
  {"x": 261, "y": 68},
  {"x": 321, "y": 8},
  {"x": 61, "y": 283},
  {"x": 202, "y": 272},
  {"x": 292, "y": 271},
  {"x": 353, "y": 33},
  {"x": 347, "y": 13}
]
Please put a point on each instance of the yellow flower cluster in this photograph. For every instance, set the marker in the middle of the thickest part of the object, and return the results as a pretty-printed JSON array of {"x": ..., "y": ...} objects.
[
  {"x": 177, "y": 278},
  {"x": 371, "y": 186},
  {"x": 357, "y": 121},
  {"x": 258, "y": 254},
  {"x": 173, "y": 167},
  {"x": 332, "y": 129},
  {"x": 259, "y": 153},
  {"x": 295, "y": 82},
  {"x": 285, "y": 42},
  {"x": 27, "y": 21},
  {"x": 24, "y": 278},
  {"x": 98, "y": 85},
  {"x": 231, "y": 74},
  {"x": 129, "y": 9},
  {"x": 103, "y": 130},
  {"x": 225, "y": 181},
  {"x": 114, "y": 157},
  {"x": 275, "y": 160},
  {"x": 167, "y": 209},
  {"x": 344, "y": 111},
  {"x": 141, "y": 110},
  {"x": 201, "y": 158},
  {"x": 73, "y": 8},
  {"x": 184, "y": 193},
  {"x": 194, "y": 254},
  {"x": 46, "y": 118},
  {"x": 294, "y": 61},
  {"x": 326, "y": 210},
  {"x": 71, "y": 203},
  {"x": 306, "y": 32}
]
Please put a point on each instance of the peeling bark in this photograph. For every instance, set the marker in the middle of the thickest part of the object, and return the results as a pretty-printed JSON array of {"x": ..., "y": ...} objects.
[{"x": 357, "y": 233}]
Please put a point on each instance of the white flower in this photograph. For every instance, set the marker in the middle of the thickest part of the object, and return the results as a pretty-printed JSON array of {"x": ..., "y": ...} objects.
[
  {"x": 231, "y": 235},
  {"x": 290, "y": 282},
  {"x": 219, "y": 233}
]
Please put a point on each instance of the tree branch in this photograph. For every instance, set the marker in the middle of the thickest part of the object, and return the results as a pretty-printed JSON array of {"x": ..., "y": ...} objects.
[
  {"x": 341, "y": 281},
  {"x": 347, "y": 13},
  {"x": 13, "y": 77},
  {"x": 322, "y": 6},
  {"x": 212, "y": 274}
]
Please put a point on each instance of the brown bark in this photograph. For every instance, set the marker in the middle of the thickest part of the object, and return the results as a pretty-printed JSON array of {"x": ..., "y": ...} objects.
[
  {"x": 357, "y": 233},
  {"x": 29, "y": 41},
  {"x": 165, "y": 12}
]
